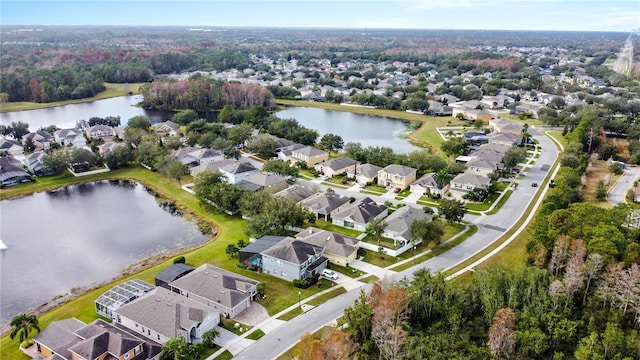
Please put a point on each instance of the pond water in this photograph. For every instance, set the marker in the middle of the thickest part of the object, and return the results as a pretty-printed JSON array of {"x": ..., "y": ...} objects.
[
  {"x": 365, "y": 129},
  {"x": 79, "y": 236}
]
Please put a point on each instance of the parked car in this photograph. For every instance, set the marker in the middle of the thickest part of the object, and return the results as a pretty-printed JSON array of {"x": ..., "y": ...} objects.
[
  {"x": 362, "y": 185},
  {"x": 534, "y": 184},
  {"x": 397, "y": 190},
  {"x": 329, "y": 274},
  {"x": 325, "y": 177}
]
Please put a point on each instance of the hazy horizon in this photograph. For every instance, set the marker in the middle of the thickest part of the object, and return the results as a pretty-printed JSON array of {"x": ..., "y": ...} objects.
[{"x": 517, "y": 15}]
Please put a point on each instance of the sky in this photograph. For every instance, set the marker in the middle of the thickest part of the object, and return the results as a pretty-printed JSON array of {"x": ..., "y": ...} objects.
[{"x": 573, "y": 15}]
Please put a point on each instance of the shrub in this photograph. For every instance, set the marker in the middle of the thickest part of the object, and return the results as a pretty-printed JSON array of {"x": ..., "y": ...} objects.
[
  {"x": 241, "y": 266},
  {"x": 361, "y": 252},
  {"x": 179, "y": 260}
]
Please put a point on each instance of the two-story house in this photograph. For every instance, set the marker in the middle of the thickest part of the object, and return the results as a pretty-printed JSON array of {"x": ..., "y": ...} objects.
[
  {"x": 365, "y": 173},
  {"x": 309, "y": 155},
  {"x": 396, "y": 176},
  {"x": 99, "y": 132},
  {"x": 41, "y": 140},
  {"x": 339, "y": 249},
  {"x": 70, "y": 137},
  {"x": 167, "y": 128},
  {"x": 428, "y": 184},
  {"x": 292, "y": 259}
]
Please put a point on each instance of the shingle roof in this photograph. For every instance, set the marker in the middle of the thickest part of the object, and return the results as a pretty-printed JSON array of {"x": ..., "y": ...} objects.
[
  {"x": 60, "y": 333},
  {"x": 174, "y": 272},
  {"x": 293, "y": 251},
  {"x": 265, "y": 179},
  {"x": 262, "y": 244},
  {"x": 215, "y": 284},
  {"x": 368, "y": 170},
  {"x": 361, "y": 211},
  {"x": 238, "y": 168},
  {"x": 473, "y": 179},
  {"x": 297, "y": 192},
  {"x": 100, "y": 337},
  {"x": 401, "y": 220},
  {"x": 401, "y": 170},
  {"x": 427, "y": 180},
  {"x": 338, "y": 163},
  {"x": 309, "y": 151},
  {"x": 333, "y": 243},
  {"x": 166, "y": 312},
  {"x": 325, "y": 203}
]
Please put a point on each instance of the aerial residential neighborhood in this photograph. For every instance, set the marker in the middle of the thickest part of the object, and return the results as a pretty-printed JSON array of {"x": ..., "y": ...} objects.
[{"x": 357, "y": 191}]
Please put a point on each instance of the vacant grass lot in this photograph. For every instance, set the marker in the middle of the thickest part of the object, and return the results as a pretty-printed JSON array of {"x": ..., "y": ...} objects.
[{"x": 113, "y": 90}]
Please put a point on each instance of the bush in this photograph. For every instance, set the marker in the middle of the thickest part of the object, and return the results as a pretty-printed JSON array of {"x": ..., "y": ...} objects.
[
  {"x": 25, "y": 344},
  {"x": 179, "y": 260},
  {"x": 241, "y": 266},
  {"x": 361, "y": 252}
]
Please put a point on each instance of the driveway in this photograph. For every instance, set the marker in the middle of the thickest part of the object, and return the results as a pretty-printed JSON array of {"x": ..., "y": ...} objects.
[
  {"x": 618, "y": 192},
  {"x": 370, "y": 269},
  {"x": 348, "y": 283},
  {"x": 231, "y": 341}
]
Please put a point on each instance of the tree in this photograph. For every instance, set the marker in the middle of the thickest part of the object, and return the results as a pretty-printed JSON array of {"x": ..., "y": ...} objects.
[
  {"x": 172, "y": 168},
  {"x": 376, "y": 227},
  {"x": 263, "y": 145},
  {"x": 338, "y": 345},
  {"x": 240, "y": 133},
  {"x": 119, "y": 157},
  {"x": 232, "y": 250},
  {"x": 391, "y": 310},
  {"x": 57, "y": 161},
  {"x": 19, "y": 129},
  {"x": 427, "y": 230},
  {"x": 601, "y": 190},
  {"x": 184, "y": 117},
  {"x": 281, "y": 168},
  {"x": 454, "y": 146},
  {"x": 308, "y": 347},
  {"x": 452, "y": 210},
  {"x": 139, "y": 122},
  {"x": 174, "y": 349},
  {"x": 514, "y": 156},
  {"x": 502, "y": 336},
  {"x": 209, "y": 337},
  {"x": 331, "y": 142},
  {"x": 22, "y": 325}
]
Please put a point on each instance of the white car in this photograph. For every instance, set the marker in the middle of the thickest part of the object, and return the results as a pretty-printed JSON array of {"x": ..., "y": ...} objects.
[
  {"x": 325, "y": 177},
  {"x": 329, "y": 274}
]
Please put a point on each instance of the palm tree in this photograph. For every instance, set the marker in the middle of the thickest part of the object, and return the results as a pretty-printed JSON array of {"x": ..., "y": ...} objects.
[
  {"x": 209, "y": 337},
  {"x": 174, "y": 349},
  {"x": 22, "y": 325},
  {"x": 376, "y": 227}
]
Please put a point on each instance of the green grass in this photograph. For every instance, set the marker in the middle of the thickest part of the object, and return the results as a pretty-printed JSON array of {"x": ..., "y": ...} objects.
[
  {"x": 438, "y": 250},
  {"x": 291, "y": 314},
  {"x": 336, "y": 229},
  {"x": 113, "y": 90},
  {"x": 326, "y": 296},
  {"x": 255, "y": 335},
  {"x": 347, "y": 271},
  {"x": 403, "y": 194},
  {"x": 500, "y": 202},
  {"x": 229, "y": 324},
  {"x": 226, "y": 355},
  {"x": 368, "y": 279},
  {"x": 384, "y": 241}
]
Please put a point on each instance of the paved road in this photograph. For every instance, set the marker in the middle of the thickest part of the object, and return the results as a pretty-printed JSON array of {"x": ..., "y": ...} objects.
[
  {"x": 619, "y": 191},
  {"x": 490, "y": 228}
]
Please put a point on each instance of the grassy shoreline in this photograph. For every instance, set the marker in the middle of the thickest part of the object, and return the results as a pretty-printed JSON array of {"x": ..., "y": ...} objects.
[{"x": 113, "y": 90}]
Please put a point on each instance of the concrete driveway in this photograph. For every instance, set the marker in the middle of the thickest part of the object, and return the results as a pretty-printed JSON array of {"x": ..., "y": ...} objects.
[{"x": 618, "y": 192}]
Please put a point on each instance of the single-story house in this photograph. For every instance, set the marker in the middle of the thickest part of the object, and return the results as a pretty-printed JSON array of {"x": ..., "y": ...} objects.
[
  {"x": 41, "y": 140},
  {"x": 11, "y": 147},
  {"x": 167, "y": 128},
  {"x": 268, "y": 182},
  {"x": 396, "y": 176},
  {"x": 309, "y": 155},
  {"x": 292, "y": 259},
  {"x": 214, "y": 166},
  {"x": 222, "y": 290},
  {"x": 284, "y": 153},
  {"x": 505, "y": 126},
  {"x": 357, "y": 215},
  {"x": 238, "y": 171},
  {"x": 298, "y": 192},
  {"x": 399, "y": 224},
  {"x": 108, "y": 147},
  {"x": 71, "y": 339},
  {"x": 526, "y": 108},
  {"x": 123, "y": 293},
  {"x": 428, "y": 184},
  {"x": 34, "y": 162},
  {"x": 365, "y": 173},
  {"x": 101, "y": 132},
  {"x": 325, "y": 205},
  {"x": 467, "y": 181},
  {"x": 11, "y": 173},
  {"x": 339, "y": 249},
  {"x": 194, "y": 156},
  {"x": 509, "y": 139},
  {"x": 161, "y": 315},
  {"x": 487, "y": 158},
  {"x": 337, "y": 166},
  {"x": 172, "y": 273}
]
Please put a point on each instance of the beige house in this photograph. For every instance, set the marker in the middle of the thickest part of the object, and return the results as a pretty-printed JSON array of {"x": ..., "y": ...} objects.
[
  {"x": 337, "y": 166},
  {"x": 396, "y": 176},
  {"x": 339, "y": 249},
  {"x": 309, "y": 155},
  {"x": 505, "y": 126},
  {"x": 364, "y": 173}
]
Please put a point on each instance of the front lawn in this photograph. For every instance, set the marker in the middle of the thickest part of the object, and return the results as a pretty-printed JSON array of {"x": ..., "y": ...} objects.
[{"x": 336, "y": 229}]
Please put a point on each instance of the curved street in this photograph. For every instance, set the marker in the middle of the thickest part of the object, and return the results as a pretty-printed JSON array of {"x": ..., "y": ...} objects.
[{"x": 490, "y": 228}]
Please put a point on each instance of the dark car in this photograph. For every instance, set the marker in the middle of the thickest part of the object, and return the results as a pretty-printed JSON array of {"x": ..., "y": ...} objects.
[
  {"x": 534, "y": 184},
  {"x": 397, "y": 190}
]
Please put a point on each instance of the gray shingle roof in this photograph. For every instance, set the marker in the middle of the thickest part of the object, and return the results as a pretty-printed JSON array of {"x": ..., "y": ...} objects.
[
  {"x": 265, "y": 179},
  {"x": 297, "y": 192},
  {"x": 60, "y": 334},
  {"x": 400, "y": 221},
  {"x": 395, "y": 169},
  {"x": 368, "y": 170},
  {"x": 325, "y": 203},
  {"x": 333, "y": 243},
  {"x": 338, "y": 163},
  {"x": 293, "y": 251},
  {"x": 361, "y": 211},
  {"x": 101, "y": 337}
]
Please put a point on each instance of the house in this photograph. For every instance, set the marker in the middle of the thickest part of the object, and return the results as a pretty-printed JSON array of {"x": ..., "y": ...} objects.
[
  {"x": 298, "y": 192},
  {"x": 365, "y": 173},
  {"x": 337, "y": 166},
  {"x": 509, "y": 139},
  {"x": 309, "y": 155},
  {"x": 357, "y": 215},
  {"x": 399, "y": 224},
  {"x": 505, "y": 126},
  {"x": 11, "y": 147},
  {"x": 171, "y": 273},
  {"x": 213, "y": 166},
  {"x": 339, "y": 249},
  {"x": 325, "y": 205},
  {"x": 222, "y": 290},
  {"x": 194, "y": 156},
  {"x": 396, "y": 176},
  {"x": 41, "y": 140},
  {"x": 526, "y": 108},
  {"x": 284, "y": 153},
  {"x": 251, "y": 255},
  {"x": 487, "y": 158},
  {"x": 123, "y": 293},
  {"x": 167, "y": 128},
  {"x": 11, "y": 173},
  {"x": 292, "y": 259},
  {"x": 34, "y": 163},
  {"x": 466, "y": 181},
  {"x": 99, "y": 132},
  {"x": 161, "y": 315},
  {"x": 70, "y": 137},
  {"x": 437, "y": 108},
  {"x": 71, "y": 339},
  {"x": 237, "y": 171},
  {"x": 428, "y": 184},
  {"x": 268, "y": 182},
  {"x": 108, "y": 147}
]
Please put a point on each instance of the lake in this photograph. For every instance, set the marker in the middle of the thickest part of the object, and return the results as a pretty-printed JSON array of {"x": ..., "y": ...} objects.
[
  {"x": 365, "y": 129},
  {"x": 79, "y": 236},
  {"x": 66, "y": 116}
]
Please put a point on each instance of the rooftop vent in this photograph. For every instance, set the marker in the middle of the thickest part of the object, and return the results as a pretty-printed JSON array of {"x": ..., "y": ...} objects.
[{"x": 206, "y": 273}]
